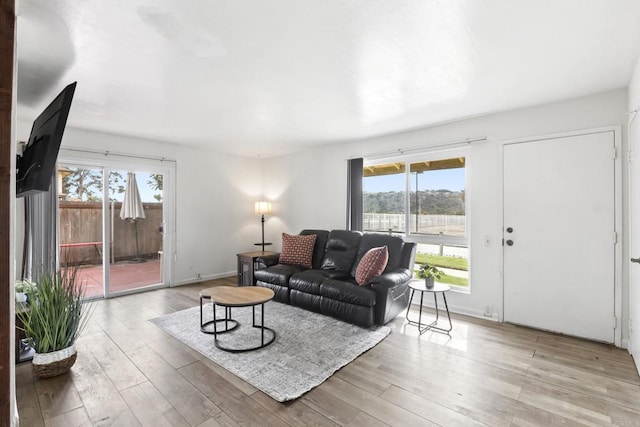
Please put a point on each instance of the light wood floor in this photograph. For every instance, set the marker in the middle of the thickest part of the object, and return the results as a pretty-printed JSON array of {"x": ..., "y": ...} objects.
[{"x": 129, "y": 373}]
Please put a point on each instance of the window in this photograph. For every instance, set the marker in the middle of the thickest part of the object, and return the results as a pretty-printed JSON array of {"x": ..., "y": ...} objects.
[{"x": 422, "y": 198}]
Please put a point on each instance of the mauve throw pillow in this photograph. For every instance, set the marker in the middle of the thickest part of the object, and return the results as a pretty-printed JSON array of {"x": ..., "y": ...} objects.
[
  {"x": 297, "y": 249},
  {"x": 372, "y": 264}
]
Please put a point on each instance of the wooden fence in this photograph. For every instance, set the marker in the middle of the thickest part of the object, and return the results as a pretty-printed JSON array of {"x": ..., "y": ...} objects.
[{"x": 81, "y": 224}]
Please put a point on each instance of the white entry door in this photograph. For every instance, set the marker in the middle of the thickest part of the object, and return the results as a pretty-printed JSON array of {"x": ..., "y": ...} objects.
[
  {"x": 634, "y": 244},
  {"x": 559, "y": 223}
]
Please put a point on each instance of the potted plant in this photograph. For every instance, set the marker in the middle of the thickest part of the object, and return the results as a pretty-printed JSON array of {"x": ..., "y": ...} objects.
[
  {"x": 429, "y": 273},
  {"x": 56, "y": 316},
  {"x": 22, "y": 288}
]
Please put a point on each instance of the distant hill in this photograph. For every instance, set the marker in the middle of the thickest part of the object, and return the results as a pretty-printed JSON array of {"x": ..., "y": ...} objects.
[{"x": 432, "y": 202}]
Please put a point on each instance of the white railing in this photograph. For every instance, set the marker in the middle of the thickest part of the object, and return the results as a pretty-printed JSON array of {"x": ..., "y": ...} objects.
[{"x": 452, "y": 225}]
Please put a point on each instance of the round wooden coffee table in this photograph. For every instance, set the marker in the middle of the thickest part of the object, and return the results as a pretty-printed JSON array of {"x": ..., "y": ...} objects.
[
  {"x": 229, "y": 323},
  {"x": 228, "y": 297}
]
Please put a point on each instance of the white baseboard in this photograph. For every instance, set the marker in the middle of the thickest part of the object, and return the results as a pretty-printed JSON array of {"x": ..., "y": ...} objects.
[
  {"x": 464, "y": 311},
  {"x": 192, "y": 280}
]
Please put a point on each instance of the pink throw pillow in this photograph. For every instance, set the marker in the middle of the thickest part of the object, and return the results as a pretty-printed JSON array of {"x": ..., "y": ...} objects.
[
  {"x": 297, "y": 249},
  {"x": 372, "y": 264}
]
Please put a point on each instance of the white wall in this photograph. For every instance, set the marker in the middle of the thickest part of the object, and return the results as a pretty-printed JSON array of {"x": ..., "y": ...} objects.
[
  {"x": 215, "y": 192},
  {"x": 214, "y": 200},
  {"x": 310, "y": 188},
  {"x": 634, "y": 149}
]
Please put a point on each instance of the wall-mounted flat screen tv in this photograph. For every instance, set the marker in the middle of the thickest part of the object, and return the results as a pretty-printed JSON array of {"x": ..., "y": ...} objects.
[{"x": 36, "y": 165}]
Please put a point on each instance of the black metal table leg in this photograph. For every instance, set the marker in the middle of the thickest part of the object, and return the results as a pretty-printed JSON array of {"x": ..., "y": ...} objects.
[
  {"x": 446, "y": 306},
  {"x": 262, "y": 329},
  {"x": 406, "y": 316},
  {"x": 440, "y": 289},
  {"x": 226, "y": 320}
]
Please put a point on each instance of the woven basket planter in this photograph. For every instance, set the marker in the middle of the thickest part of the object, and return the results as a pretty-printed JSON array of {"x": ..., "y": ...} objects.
[{"x": 48, "y": 365}]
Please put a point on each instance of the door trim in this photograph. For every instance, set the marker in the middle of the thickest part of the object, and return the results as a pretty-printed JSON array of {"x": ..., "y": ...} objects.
[{"x": 618, "y": 247}]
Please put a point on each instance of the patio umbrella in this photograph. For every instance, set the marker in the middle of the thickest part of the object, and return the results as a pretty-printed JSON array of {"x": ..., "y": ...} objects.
[{"x": 132, "y": 209}]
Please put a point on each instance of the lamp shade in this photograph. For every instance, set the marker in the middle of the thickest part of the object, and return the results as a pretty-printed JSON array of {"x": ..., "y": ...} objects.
[{"x": 263, "y": 207}]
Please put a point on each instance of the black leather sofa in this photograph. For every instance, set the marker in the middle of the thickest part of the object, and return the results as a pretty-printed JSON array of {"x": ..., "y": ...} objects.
[{"x": 330, "y": 288}]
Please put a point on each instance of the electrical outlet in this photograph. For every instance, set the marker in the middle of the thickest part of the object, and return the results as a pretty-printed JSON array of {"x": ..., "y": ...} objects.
[
  {"x": 198, "y": 276},
  {"x": 488, "y": 312}
]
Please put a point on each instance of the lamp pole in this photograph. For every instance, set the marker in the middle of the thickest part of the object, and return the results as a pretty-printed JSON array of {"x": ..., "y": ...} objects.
[
  {"x": 262, "y": 220},
  {"x": 417, "y": 201},
  {"x": 261, "y": 208}
]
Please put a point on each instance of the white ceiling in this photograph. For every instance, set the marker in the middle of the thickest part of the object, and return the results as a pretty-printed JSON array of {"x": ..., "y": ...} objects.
[{"x": 261, "y": 78}]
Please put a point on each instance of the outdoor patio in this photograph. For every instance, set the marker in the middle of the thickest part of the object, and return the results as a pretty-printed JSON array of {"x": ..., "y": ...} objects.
[
  {"x": 81, "y": 244},
  {"x": 123, "y": 276}
]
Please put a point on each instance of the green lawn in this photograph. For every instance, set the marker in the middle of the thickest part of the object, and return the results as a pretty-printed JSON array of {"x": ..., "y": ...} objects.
[
  {"x": 453, "y": 280},
  {"x": 455, "y": 263},
  {"x": 443, "y": 261}
]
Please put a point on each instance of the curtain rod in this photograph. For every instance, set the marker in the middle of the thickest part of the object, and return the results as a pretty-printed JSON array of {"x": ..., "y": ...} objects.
[
  {"x": 107, "y": 153},
  {"x": 401, "y": 151}
]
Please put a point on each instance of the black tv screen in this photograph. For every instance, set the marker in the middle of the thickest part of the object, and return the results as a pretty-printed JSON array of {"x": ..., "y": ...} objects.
[{"x": 36, "y": 165}]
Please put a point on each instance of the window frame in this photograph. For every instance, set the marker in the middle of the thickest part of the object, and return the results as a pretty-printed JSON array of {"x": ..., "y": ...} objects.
[
  {"x": 432, "y": 239},
  {"x": 422, "y": 157}
]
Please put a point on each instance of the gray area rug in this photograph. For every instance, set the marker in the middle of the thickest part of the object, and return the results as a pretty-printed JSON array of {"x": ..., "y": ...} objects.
[{"x": 308, "y": 348}]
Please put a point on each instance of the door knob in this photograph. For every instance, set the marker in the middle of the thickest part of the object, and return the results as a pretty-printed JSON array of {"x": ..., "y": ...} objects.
[
  {"x": 635, "y": 260},
  {"x": 509, "y": 229},
  {"x": 510, "y": 243}
]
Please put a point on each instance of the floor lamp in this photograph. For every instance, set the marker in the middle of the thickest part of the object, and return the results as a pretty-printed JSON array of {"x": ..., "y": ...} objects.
[{"x": 262, "y": 208}]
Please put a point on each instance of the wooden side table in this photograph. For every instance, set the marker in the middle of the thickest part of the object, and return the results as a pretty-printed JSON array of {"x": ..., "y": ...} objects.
[{"x": 247, "y": 265}]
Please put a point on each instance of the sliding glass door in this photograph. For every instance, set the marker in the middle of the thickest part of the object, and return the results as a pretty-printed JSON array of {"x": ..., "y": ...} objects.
[
  {"x": 80, "y": 212},
  {"x": 113, "y": 223},
  {"x": 136, "y": 222}
]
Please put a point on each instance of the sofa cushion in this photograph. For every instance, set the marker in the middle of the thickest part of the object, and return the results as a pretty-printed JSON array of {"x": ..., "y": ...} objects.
[
  {"x": 357, "y": 314},
  {"x": 318, "y": 248},
  {"x": 304, "y": 300},
  {"x": 280, "y": 293},
  {"x": 297, "y": 249},
  {"x": 348, "y": 291},
  {"x": 309, "y": 281},
  {"x": 341, "y": 250},
  {"x": 278, "y": 274},
  {"x": 372, "y": 264}
]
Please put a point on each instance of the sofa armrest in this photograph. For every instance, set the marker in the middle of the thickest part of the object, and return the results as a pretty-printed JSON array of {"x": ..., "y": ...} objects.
[
  {"x": 391, "y": 279},
  {"x": 392, "y": 294},
  {"x": 267, "y": 260}
]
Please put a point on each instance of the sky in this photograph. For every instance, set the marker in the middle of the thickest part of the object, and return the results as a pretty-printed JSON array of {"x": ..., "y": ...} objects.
[
  {"x": 118, "y": 183},
  {"x": 449, "y": 179},
  {"x": 146, "y": 193}
]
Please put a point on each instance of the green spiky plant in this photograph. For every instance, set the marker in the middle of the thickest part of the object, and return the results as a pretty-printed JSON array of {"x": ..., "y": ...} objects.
[{"x": 57, "y": 311}]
